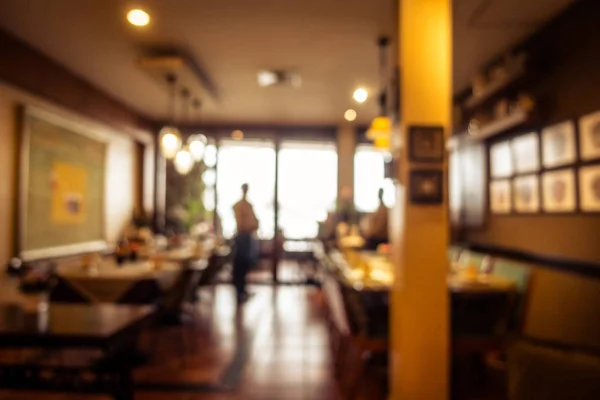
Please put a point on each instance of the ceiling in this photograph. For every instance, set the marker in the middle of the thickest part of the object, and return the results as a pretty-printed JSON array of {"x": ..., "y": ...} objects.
[{"x": 331, "y": 43}]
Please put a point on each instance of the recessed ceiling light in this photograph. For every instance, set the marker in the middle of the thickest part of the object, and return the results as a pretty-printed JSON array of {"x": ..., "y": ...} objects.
[
  {"x": 360, "y": 95},
  {"x": 350, "y": 115},
  {"x": 237, "y": 134},
  {"x": 138, "y": 17}
]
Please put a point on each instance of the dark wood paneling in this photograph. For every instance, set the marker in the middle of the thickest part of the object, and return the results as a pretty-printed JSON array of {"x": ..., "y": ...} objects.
[
  {"x": 568, "y": 88},
  {"x": 30, "y": 70}
]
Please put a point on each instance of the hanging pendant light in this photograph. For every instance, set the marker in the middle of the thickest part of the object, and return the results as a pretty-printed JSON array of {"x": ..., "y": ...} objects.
[
  {"x": 183, "y": 162},
  {"x": 380, "y": 129},
  {"x": 197, "y": 143},
  {"x": 169, "y": 135}
]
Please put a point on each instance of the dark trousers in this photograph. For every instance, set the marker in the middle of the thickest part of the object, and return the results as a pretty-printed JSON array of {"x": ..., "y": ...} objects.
[{"x": 244, "y": 260}]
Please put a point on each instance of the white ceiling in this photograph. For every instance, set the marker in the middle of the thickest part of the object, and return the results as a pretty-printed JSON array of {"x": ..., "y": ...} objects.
[{"x": 331, "y": 43}]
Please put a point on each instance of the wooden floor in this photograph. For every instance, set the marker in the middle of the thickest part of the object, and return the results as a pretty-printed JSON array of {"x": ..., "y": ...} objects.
[{"x": 274, "y": 347}]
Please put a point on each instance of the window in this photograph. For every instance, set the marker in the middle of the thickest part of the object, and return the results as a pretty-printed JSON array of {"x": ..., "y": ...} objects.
[
  {"x": 251, "y": 162},
  {"x": 369, "y": 177},
  {"x": 307, "y": 187}
]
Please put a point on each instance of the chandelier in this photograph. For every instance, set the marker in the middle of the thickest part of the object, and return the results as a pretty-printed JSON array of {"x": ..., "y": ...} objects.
[{"x": 172, "y": 147}]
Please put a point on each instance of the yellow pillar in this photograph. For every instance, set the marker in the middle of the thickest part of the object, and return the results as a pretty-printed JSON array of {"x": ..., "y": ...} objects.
[{"x": 419, "y": 233}]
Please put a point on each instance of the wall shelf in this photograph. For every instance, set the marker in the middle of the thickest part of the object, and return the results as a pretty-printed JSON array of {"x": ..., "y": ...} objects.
[
  {"x": 494, "y": 90},
  {"x": 502, "y": 125}
]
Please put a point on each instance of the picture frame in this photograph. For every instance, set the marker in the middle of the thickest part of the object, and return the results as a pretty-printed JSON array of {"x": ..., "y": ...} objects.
[
  {"x": 589, "y": 136},
  {"x": 64, "y": 215},
  {"x": 558, "y": 191},
  {"x": 589, "y": 188},
  {"x": 426, "y": 186},
  {"x": 526, "y": 153},
  {"x": 558, "y": 145},
  {"x": 426, "y": 144},
  {"x": 500, "y": 196},
  {"x": 526, "y": 194},
  {"x": 501, "y": 161}
]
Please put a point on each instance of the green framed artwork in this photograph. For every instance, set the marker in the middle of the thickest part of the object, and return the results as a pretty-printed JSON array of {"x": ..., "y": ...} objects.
[{"x": 61, "y": 187}]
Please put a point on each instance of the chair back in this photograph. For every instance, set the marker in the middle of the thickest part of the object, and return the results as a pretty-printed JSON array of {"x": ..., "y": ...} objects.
[
  {"x": 522, "y": 275},
  {"x": 181, "y": 291},
  {"x": 551, "y": 371},
  {"x": 63, "y": 292}
]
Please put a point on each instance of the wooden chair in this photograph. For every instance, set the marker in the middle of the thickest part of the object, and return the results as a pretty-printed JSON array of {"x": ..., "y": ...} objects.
[{"x": 366, "y": 338}]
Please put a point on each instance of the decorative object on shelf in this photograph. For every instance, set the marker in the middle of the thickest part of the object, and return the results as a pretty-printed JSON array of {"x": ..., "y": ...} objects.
[
  {"x": 426, "y": 186},
  {"x": 426, "y": 143},
  {"x": 589, "y": 136},
  {"x": 526, "y": 194},
  {"x": 501, "y": 109},
  {"x": 558, "y": 191},
  {"x": 525, "y": 102},
  {"x": 170, "y": 136},
  {"x": 558, "y": 145},
  {"x": 501, "y": 162},
  {"x": 526, "y": 153},
  {"x": 479, "y": 84},
  {"x": 589, "y": 188},
  {"x": 500, "y": 197}
]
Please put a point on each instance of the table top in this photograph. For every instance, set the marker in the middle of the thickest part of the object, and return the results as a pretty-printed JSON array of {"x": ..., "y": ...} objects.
[
  {"x": 108, "y": 269},
  {"x": 481, "y": 283},
  {"x": 68, "y": 324}
]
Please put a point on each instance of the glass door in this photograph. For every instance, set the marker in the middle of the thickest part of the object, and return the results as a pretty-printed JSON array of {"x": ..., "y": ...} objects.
[
  {"x": 252, "y": 162},
  {"x": 306, "y": 191}
]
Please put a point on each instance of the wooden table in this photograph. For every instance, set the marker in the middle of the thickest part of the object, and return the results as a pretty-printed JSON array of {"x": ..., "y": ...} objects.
[{"x": 113, "y": 329}]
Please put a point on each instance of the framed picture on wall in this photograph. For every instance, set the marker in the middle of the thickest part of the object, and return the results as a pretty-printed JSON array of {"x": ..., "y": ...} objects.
[
  {"x": 526, "y": 153},
  {"x": 426, "y": 186},
  {"x": 589, "y": 188},
  {"x": 558, "y": 191},
  {"x": 501, "y": 162},
  {"x": 500, "y": 197},
  {"x": 558, "y": 145},
  {"x": 589, "y": 136},
  {"x": 426, "y": 143},
  {"x": 526, "y": 194}
]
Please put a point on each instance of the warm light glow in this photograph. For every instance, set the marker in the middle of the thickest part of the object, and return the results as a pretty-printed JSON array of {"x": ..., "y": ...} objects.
[
  {"x": 210, "y": 156},
  {"x": 138, "y": 17},
  {"x": 184, "y": 162},
  {"x": 197, "y": 145},
  {"x": 360, "y": 95},
  {"x": 350, "y": 115},
  {"x": 237, "y": 135},
  {"x": 170, "y": 141},
  {"x": 209, "y": 177},
  {"x": 380, "y": 127}
]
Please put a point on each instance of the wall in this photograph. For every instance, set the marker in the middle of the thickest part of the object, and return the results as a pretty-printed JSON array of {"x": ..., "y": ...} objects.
[
  {"x": 346, "y": 145},
  {"x": 120, "y": 187},
  {"x": 567, "y": 87}
]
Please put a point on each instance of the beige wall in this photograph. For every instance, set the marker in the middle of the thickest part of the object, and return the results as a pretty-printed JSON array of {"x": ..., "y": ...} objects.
[{"x": 119, "y": 175}]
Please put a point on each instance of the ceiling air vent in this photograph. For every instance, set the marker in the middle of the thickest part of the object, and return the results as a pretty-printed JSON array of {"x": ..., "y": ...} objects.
[{"x": 278, "y": 78}]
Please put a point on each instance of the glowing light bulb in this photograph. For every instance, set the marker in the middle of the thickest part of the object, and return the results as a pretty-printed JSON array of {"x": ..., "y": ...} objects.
[
  {"x": 184, "y": 162},
  {"x": 197, "y": 145},
  {"x": 138, "y": 17},
  {"x": 360, "y": 95},
  {"x": 350, "y": 115},
  {"x": 210, "y": 156},
  {"x": 170, "y": 141}
]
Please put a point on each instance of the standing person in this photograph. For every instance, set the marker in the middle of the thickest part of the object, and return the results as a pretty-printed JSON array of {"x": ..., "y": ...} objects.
[
  {"x": 245, "y": 243},
  {"x": 377, "y": 225}
]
